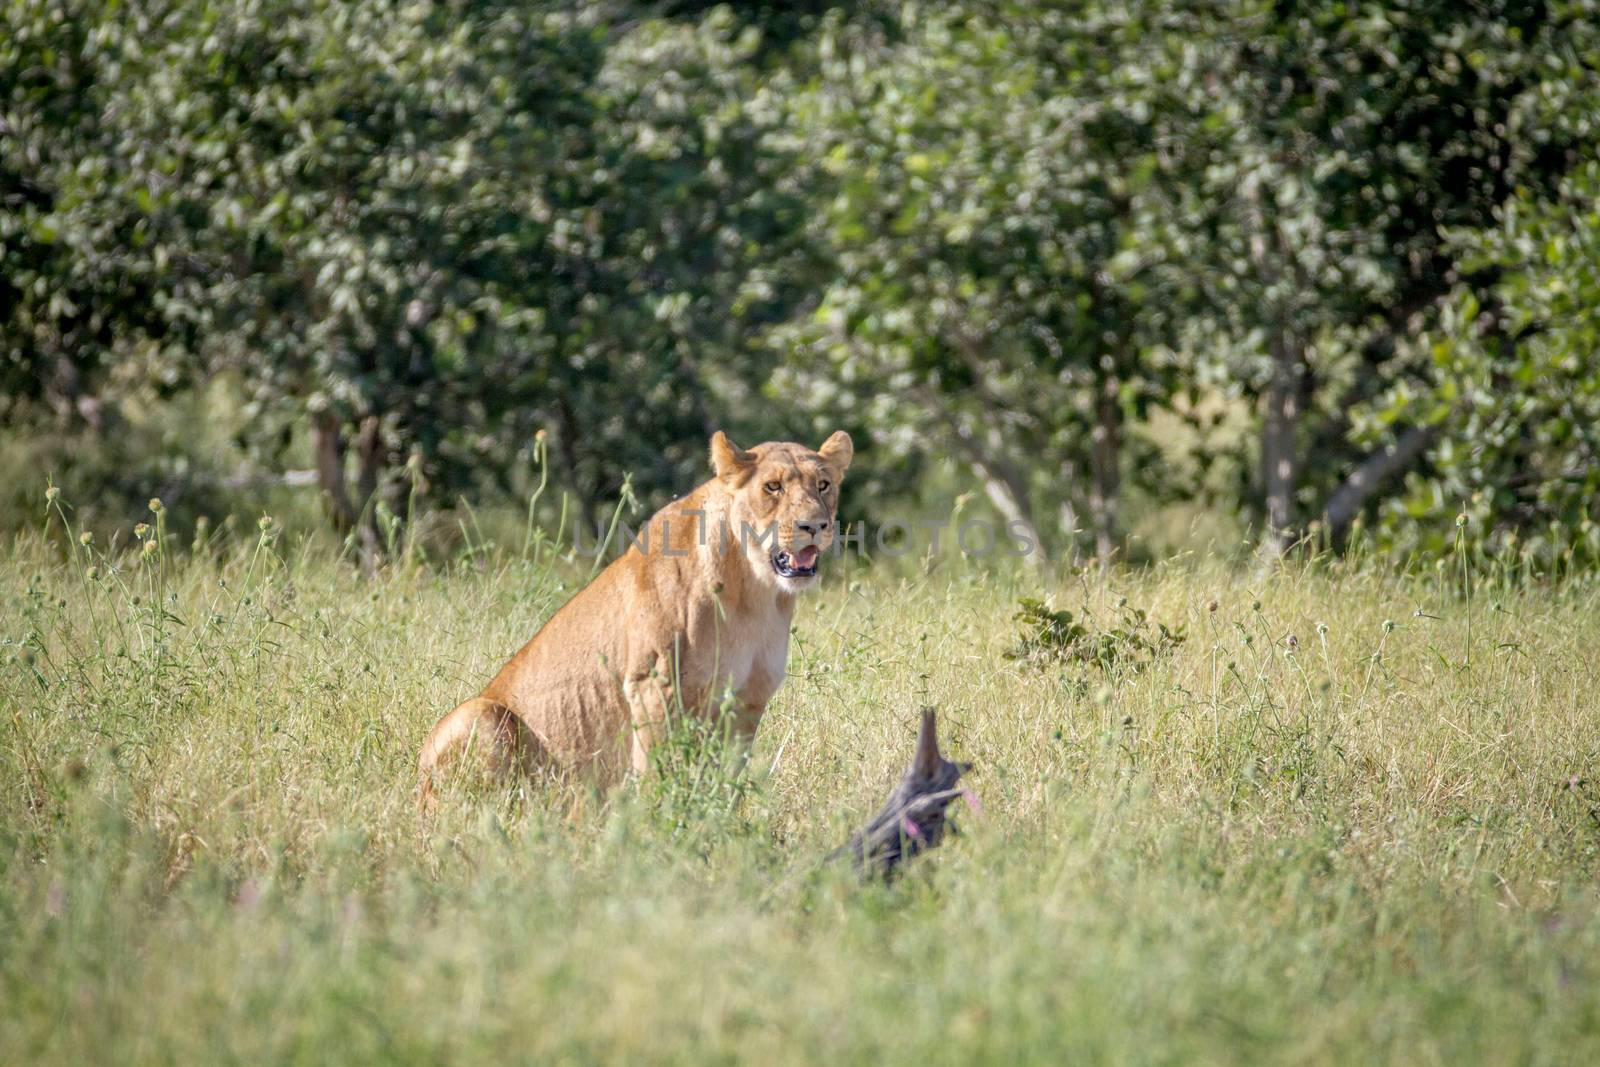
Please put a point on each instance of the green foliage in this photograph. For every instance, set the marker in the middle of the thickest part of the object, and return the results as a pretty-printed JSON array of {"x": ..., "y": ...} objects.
[
  {"x": 1515, "y": 390},
  {"x": 701, "y": 787},
  {"x": 84, "y": 271},
  {"x": 1055, "y": 638},
  {"x": 1310, "y": 265},
  {"x": 430, "y": 228},
  {"x": 994, "y": 203},
  {"x": 1355, "y": 154}
]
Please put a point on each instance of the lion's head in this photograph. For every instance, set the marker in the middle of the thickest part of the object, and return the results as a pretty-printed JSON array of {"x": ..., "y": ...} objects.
[{"x": 783, "y": 503}]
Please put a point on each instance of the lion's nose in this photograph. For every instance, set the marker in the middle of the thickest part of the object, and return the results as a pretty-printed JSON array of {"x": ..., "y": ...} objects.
[{"x": 814, "y": 527}]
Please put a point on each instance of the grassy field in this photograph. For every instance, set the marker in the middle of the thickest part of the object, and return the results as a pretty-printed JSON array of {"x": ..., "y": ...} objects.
[{"x": 1349, "y": 817}]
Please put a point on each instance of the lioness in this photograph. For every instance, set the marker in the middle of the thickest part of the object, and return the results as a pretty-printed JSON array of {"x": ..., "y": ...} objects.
[{"x": 698, "y": 607}]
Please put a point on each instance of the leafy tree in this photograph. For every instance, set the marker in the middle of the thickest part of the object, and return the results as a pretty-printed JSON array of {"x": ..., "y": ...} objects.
[
  {"x": 1355, "y": 143},
  {"x": 80, "y": 276},
  {"x": 355, "y": 176},
  {"x": 999, "y": 204},
  {"x": 415, "y": 233},
  {"x": 1512, "y": 409}
]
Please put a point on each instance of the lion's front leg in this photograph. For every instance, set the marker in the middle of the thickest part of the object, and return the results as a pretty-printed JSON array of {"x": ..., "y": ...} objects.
[
  {"x": 745, "y": 719},
  {"x": 747, "y": 716},
  {"x": 651, "y": 699},
  {"x": 751, "y": 700}
]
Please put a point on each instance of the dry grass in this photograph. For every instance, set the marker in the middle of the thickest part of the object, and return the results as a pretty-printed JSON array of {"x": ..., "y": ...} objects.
[{"x": 1377, "y": 842}]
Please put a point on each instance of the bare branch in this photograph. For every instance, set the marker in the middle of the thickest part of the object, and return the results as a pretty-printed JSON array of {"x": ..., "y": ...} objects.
[{"x": 1346, "y": 502}]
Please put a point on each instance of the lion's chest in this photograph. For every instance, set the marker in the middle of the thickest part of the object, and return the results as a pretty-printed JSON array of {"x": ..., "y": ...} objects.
[{"x": 754, "y": 656}]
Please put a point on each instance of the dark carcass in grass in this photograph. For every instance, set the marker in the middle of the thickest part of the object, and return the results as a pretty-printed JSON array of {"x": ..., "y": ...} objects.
[{"x": 913, "y": 819}]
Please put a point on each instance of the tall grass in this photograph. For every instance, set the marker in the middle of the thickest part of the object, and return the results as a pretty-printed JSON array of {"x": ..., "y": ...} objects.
[{"x": 1351, "y": 816}]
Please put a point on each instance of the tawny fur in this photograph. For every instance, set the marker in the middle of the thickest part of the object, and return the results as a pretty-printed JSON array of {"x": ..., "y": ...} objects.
[{"x": 689, "y": 613}]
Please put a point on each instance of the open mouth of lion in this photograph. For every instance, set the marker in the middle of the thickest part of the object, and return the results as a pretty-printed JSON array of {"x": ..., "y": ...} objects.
[{"x": 802, "y": 563}]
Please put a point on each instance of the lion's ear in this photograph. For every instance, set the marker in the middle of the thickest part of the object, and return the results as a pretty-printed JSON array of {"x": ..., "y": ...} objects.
[
  {"x": 837, "y": 451},
  {"x": 731, "y": 462}
]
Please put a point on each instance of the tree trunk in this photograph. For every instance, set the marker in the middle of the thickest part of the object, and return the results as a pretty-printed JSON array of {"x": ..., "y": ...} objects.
[
  {"x": 1007, "y": 489},
  {"x": 1003, "y": 483},
  {"x": 1104, "y": 469},
  {"x": 1067, "y": 515},
  {"x": 74, "y": 406},
  {"x": 369, "y": 460},
  {"x": 348, "y": 516},
  {"x": 566, "y": 440},
  {"x": 1279, "y": 425},
  {"x": 1014, "y": 505},
  {"x": 327, "y": 451}
]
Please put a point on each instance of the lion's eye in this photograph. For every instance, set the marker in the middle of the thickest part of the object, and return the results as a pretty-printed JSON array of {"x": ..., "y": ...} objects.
[
  {"x": 774, "y": 487},
  {"x": 822, "y": 486}
]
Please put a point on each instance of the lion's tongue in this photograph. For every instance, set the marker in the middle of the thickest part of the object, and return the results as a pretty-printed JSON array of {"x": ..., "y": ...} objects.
[{"x": 806, "y": 558}]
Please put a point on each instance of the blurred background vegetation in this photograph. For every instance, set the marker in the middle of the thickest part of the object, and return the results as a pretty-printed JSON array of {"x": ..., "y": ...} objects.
[{"x": 1142, "y": 275}]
